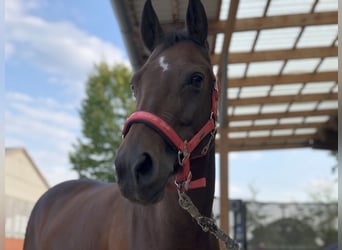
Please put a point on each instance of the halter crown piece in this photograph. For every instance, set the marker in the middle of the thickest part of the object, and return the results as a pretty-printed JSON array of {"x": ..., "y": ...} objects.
[{"x": 185, "y": 148}]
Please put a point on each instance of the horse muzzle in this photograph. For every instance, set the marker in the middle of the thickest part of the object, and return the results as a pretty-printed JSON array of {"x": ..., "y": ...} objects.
[{"x": 144, "y": 165}]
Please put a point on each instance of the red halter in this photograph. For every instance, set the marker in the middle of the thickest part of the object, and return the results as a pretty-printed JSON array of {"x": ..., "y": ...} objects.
[{"x": 185, "y": 148}]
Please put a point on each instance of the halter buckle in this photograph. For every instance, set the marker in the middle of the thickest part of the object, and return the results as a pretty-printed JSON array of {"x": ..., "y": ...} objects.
[
  {"x": 182, "y": 155},
  {"x": 206, "y": 147},
  {"x": 184, "y": 186}
]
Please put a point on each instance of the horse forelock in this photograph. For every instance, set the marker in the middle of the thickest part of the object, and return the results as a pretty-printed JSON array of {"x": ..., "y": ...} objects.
[{"x": 172, "y": 38}]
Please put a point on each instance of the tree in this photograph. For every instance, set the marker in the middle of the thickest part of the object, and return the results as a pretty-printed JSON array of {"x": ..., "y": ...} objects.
[
  {"x": 104, "y": 110},
  {"x": 285, "y": 233}
]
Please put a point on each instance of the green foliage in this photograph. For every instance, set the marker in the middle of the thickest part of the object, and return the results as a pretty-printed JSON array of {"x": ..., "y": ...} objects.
[
  {"x": 104, "y": 110},
  {"x": 292, "y": 225}
]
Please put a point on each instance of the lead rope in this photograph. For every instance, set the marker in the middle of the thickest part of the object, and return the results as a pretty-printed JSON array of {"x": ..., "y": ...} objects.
[{"x": 207, "y": 224}]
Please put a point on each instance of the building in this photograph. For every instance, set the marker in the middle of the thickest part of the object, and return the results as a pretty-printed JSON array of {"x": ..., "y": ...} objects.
[{"x": 24, "y": 184}]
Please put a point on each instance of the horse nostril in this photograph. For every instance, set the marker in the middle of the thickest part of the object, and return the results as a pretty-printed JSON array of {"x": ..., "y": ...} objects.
[{"x": 143, "y": 168}]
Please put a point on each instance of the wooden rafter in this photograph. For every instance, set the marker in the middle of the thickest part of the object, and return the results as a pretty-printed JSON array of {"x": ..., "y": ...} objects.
[
  {"x": 282, "y": 99},
  {"x": 278, "y": 138},
  {"x": 263, "y": 146},
  {"x": 228, "y": 30},
  {"x": 269, "y": 22},
  {"x": 273, "y": 55},
  {"x": 278, "y": 126},
  {"x": 273, "y": 22},
  {"x": 326, "y": 112},
  {"x": 264, "y": 21},
  {"x": 283, "y": 79}
]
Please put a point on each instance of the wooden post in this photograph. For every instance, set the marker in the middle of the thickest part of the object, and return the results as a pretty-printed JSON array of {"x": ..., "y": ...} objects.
[{"x": 224, "y": 203}]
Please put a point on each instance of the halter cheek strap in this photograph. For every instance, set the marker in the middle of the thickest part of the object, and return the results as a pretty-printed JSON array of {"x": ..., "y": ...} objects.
[{"x": 185, "y": 148}]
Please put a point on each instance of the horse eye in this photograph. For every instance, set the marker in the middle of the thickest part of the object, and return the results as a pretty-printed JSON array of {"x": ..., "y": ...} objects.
[{"x": 196, "y": 80}]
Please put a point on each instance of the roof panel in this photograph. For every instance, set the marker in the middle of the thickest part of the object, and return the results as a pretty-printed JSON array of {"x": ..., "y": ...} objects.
[
  {"x": 265, "y": 122},
  {"x": 259, "y": 133},
  {"x": 286, "y": 89},
  {"x": 236, "y": 70},
  {"x": 326, "y": 5},
  {"x": 291, "y": 120},
  {"x": 240, "y": 123},
  {"x": 250, "y": 8},
  {"x": 280, "y": 132},
  {"x": 328, "y": 105},
  {"x": 257, "y": 91},
  {"x": 321, "y": 118},
  {"x": 284, "y": 7},
  {"x": 219, "y": 43},
  {"x": 282, "y": 38},
  {"x": 301, "y": 65},
  {"x": 224, "y": 10},
  {"x": 233, "y": 93},
  {"x": 249, "y": 109},
  {"x": 264, "y": 68},
  {"x": 242, "y": 41},
  {"x": 318, "y": 35},
  {"x": 318, "y": 87},
  {"x": 237, "y": 134},
  {"x": 274, "y": 108},
  {"x": 281, "y": 77},
  {"x": 305, "y": 131},
  {"x": 304, "y": 106},
  {"x": 329, "y": 64}
]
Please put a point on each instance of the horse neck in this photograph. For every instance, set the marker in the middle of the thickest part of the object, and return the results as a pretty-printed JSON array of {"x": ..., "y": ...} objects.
[{"x": 201, "y": 197}]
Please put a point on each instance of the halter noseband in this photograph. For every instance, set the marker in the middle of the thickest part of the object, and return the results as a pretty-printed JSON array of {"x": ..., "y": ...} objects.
[{"x": 186, "y": 147}]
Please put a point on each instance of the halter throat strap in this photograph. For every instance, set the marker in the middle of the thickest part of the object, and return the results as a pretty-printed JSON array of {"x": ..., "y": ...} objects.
[{"x": 185, "y": 147}]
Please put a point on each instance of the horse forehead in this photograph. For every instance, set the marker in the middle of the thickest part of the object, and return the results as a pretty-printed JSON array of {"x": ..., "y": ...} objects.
[
  {"x": 176, "y": 56},
  {"x": 184, "y": 51},
  {"x": 173, "y": 59}
]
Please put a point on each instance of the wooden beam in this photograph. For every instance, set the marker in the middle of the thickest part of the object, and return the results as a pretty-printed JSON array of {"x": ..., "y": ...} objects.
[
  {"x": 224, "y": 192},
  {"x": 235, "y": 148},
  {"x": 283, "y": 79},
  {"x": 282, "y": 99},
  {"x": 327, "y": 112},
  {"x": 228, "y": 31},
  {"x": 273, "y": 22},
  {"x": 268, "y": 139},
  {"x": 317, "y": 125},
  {"x": 273, "y": 55},
  {"x": 224, "y": 186}
]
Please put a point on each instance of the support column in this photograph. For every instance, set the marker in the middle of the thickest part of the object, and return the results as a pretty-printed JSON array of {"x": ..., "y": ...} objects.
[
  {"x": 224, "y": 193},
  {"x": 224, "y": 202}
]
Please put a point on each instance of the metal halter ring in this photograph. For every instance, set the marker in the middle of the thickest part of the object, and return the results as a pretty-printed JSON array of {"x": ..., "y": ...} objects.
[
  {"x": 183, "y": 186},
  {"x": 182, "y": 155}
]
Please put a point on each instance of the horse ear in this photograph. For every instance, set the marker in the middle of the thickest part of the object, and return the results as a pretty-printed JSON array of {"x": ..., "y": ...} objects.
[
  {"x": 196, "y": 22},
  {"x": 151, "y": 31}
]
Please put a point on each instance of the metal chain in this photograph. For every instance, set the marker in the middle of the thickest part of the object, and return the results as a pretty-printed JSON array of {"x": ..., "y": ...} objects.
[{"x": 207, "y": 224}]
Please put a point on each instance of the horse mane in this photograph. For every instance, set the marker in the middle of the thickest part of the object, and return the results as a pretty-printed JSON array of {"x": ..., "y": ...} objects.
[{"x": 171, "y": 38}]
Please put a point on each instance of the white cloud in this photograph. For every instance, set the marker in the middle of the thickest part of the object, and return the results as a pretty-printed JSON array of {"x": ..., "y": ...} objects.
[
  {"x": 54, "y": 167},
  {"x": 58, "y": 48},
  {"x": 9, "y": 50},
  {"x": 322, "y": 190},
  {"x": 46, "y": 128}
]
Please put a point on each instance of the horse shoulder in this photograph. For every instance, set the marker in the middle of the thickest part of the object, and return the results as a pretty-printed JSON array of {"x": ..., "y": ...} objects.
[{"x": 74, "y": 214}]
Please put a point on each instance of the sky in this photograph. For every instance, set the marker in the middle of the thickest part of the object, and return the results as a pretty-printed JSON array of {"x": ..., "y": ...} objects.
[{"x": 51, "y": 48}]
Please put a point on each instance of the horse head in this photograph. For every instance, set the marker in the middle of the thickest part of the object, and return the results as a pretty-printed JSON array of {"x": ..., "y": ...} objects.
[{"x": 176, "y": 85}]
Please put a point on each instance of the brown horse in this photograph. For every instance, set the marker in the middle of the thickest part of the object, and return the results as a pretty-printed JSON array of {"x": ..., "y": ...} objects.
[{"x": 168, "y": 141}]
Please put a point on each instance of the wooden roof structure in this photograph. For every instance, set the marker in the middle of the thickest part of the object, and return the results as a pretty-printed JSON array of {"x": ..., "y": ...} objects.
[
  {"x": 280, "y": 58},
  {"x": 278, "y": 65}
]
